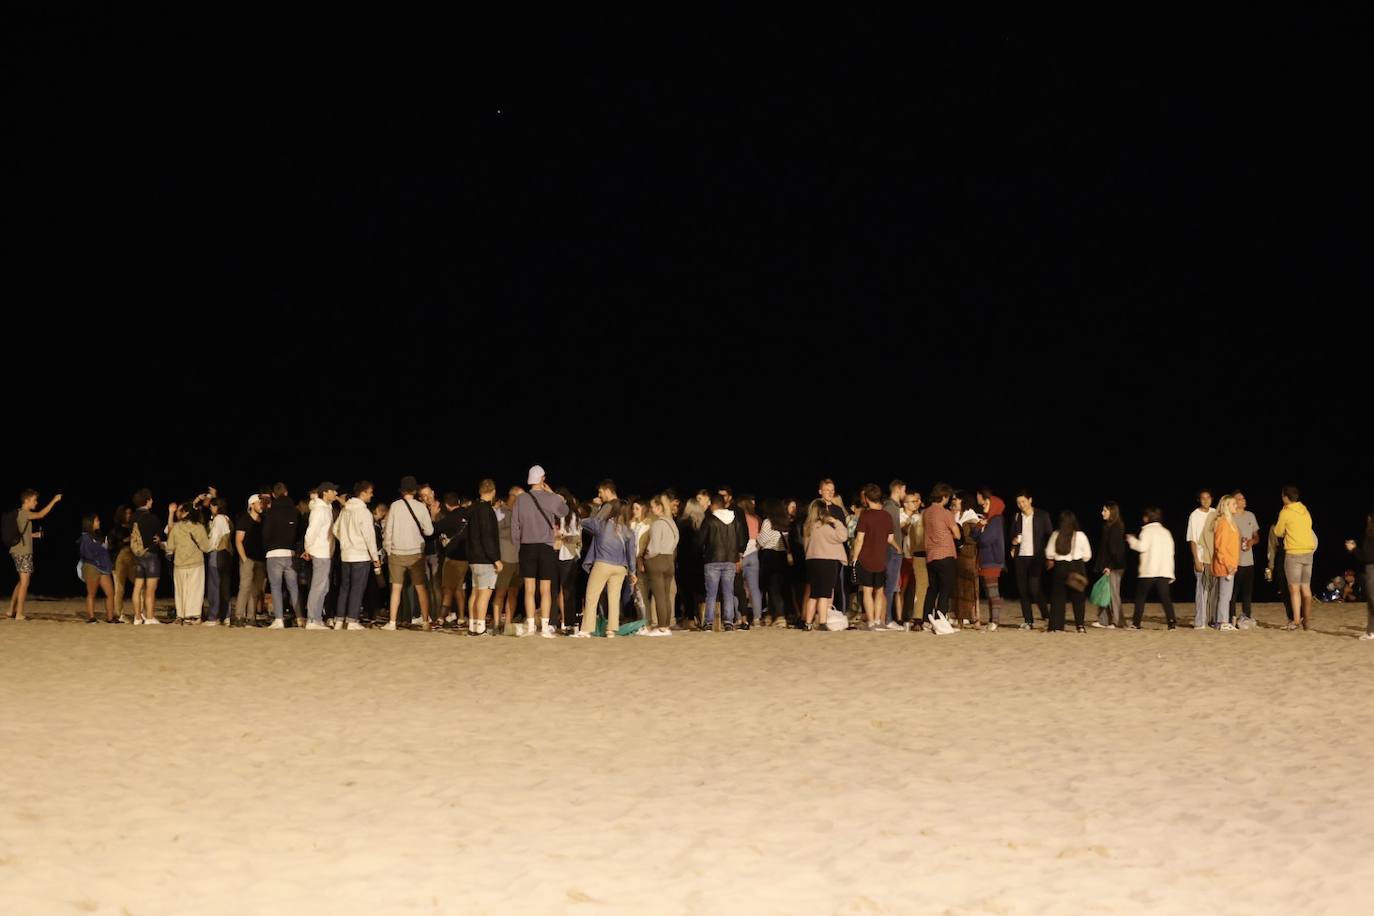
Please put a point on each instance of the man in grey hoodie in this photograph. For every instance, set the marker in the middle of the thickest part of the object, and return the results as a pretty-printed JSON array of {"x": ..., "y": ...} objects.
[{"x": 534, "y": 522}]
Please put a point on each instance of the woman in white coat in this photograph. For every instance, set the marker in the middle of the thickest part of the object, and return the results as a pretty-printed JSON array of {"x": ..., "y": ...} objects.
[{"x": 1156, "y": 548}]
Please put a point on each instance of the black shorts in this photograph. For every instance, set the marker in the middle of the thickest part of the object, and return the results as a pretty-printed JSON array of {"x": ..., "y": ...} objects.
[
  {"x": 538, "y": 562},
  {"x": 871, "y": 579},
  {"x": 822, "y": 575},
  {"x": 148, "y": 566}
]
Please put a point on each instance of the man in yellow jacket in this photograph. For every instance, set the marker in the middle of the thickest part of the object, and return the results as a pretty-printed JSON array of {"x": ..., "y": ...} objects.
[{"x": 1299, "y": 544}]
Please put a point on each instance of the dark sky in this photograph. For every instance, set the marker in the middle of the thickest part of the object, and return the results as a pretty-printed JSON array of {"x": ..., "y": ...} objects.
[{"x": 1100, "y": 257}]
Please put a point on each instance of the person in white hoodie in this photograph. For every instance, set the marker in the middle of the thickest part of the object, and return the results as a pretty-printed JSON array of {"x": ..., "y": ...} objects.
[
  {"x": 1156, "y": 548},
  {"x": 357, "y": 538},
  {"x": 319, "y": 551}
]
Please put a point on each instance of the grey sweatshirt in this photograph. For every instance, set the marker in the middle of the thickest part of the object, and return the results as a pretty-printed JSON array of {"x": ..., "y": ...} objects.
[{"x": 528, "y": 525}]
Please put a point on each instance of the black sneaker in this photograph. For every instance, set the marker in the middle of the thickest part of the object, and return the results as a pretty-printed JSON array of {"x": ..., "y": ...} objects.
[{"x": 727, "y": 627}]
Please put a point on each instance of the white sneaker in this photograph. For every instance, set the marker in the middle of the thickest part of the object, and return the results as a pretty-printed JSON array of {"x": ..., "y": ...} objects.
[
  {"x": 477, "y": 629},
  {"x": 151, "y": 621},
  {"x": 581, "y": 635},
  {"x": 1027, "y": 626},
  {"x": 312, "y": 625},
  {"x": 138, "y": 621},
  {"x": 548, "y": 631},
  {"x": 644, "y": 631},
  {"x": 1098, "y": 626},
  {"x": 209, "y": 623},
  {"x": 663, "y": 631},
  {"x": 353, "y": 625},
  {"x": 1226, "y": 626},
  {"x": 992, "y": 628},
  {"x": 451, "y": 618},
  {"x": 390, "y": 625},
  {"x": 1110, "y": 626},
  {"x": 416, "y": 621},
  {"x": 1367, "y": 636},
  {"x": 276, "y": 625},
  {"x": 965, "y": 623},
  {"x": 894, "y": 625}
]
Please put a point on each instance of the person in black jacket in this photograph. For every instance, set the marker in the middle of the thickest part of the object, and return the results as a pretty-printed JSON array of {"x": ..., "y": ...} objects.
[
  {"x": 279, "y": 526},
  {"x": 1111, "y": 562},
  {"x": 722, "y": 552},
  {"x": 484, "y": 554},
  {"x": 452, "y": 528},
  {"x": 1030, "y": 531}
]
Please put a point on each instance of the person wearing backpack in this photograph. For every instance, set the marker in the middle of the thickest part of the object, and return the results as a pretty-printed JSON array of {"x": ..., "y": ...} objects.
[
  {"x": 145, "y": 542},
  {"x": 19, "y": 534}
]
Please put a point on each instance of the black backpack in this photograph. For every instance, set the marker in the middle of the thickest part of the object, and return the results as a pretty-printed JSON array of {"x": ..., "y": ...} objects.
[{"x": 9, "y": 528}]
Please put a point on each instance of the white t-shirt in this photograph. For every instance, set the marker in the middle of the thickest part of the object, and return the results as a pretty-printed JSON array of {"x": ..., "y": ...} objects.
[
  {"x": 1027, "y": 547},
  {"x": 1197, "y": 524}
]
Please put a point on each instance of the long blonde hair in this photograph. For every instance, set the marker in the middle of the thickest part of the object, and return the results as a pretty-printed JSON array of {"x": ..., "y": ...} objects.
[
  {"x": 1227, "y": 508},
  {"x": 817, "y": 513}
]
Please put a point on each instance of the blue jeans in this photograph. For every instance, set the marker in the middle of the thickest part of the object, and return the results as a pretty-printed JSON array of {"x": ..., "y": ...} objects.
[
  {"x": 352, "y": 586},
  {"x": 720, "y": 577},
  {"x": 894, "y": 578},
  {"x": 751, "y": 582},
  {"x": 281, "y": 569},
  {"x": 214, "y": 563},
  {"x": 319, "y": 587}
]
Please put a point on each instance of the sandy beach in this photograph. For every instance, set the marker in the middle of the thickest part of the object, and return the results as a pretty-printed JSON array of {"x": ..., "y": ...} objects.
[{"x": 194, "y": 770}]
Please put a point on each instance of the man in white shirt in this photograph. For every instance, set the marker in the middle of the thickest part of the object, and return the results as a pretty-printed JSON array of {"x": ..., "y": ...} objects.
[
  {"x": 319, "y": 551},
  {"x": 403, "y": 538},
  {"x": 1200, "y": 543}
]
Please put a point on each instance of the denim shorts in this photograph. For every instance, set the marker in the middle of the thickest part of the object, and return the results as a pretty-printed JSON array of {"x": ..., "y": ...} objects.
[
  {"x": 483, "y": 575},
  {"x": 148, "y": 566}
]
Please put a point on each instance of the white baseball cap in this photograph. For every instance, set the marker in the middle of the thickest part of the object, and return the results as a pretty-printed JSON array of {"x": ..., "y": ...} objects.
[
  {"x": 254, "y": 500},
  {"x": 536, "y": 475}
]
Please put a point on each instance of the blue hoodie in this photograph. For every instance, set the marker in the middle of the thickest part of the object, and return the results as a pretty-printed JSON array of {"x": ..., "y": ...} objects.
[{"x": 992, "y": 540}]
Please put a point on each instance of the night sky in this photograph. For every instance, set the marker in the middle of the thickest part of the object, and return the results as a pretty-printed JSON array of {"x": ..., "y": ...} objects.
[{"x": 1102, "y": 258}]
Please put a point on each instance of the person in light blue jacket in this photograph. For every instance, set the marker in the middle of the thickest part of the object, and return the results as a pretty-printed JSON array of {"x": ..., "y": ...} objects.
[{"x": 608, "y": 561}]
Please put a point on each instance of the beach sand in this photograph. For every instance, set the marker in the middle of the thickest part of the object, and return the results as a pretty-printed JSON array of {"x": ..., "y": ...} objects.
[{"x": 194, "y": 770}]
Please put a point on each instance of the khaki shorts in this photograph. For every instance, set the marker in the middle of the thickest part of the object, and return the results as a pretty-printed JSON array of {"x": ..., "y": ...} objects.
[
  {"x": 1297, "y": 568},
  {"x": 508, "y": 577},
  {"x": 414, "y": 562},
  {"x": 455, "y": 571}
]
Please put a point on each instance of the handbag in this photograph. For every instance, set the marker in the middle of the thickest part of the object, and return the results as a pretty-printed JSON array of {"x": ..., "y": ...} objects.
[
  {"x": 1076, "y": 581},
  {"x": 940, "y": 625}
]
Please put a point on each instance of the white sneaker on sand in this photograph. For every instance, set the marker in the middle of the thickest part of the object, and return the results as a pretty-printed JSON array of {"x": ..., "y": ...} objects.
[
  {"x": 581, "y": 635},
  {"x": 663, "y": 631},
  {"x": 992, "y": 628},
  {"x": 151, "y": 621},
  {"x": 209, "y": 623},
  {"x": 644, "y": 631},
  {"x": 390, "y": 625},
  {"x": 1367, "y": 636},
  {"x": 548, "y": 631},
  {"x": 1226, "y": 626},
  {"x": 478, "y": 628},
  {"x": 451, "y": 618},
  {"x": 1098, "y": 626},
  {"x": 894, "y": 625},
  {"x": 416, "y": 621},
  {"x": 354, "y": 625},
  {"x": 312, "y": 625},
  {"x": 276, "y": 625},
  {"x": 138, "y": 621}
]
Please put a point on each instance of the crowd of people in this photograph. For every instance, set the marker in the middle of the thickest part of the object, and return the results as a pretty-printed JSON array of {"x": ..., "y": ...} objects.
[{"x": 535, "y": 560}]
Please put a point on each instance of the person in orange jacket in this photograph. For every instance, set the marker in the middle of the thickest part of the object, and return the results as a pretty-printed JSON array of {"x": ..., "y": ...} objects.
[{"x": 1226, "y": 559}]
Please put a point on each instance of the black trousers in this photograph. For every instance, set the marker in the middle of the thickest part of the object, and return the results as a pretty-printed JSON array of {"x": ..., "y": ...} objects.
[
  {"x": 942, "y": 574},
  {"x": 1160, "y": 586},
  {"x": 1060, "y": 592},
  {"x": 773, "y": 567},
  {"x": 1281, "y": 583},
  {"x": 1244, "y": 595},
  {"x": 565, "y": 584},
  {"x": 1028, "y": 573}
]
